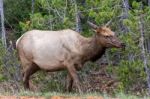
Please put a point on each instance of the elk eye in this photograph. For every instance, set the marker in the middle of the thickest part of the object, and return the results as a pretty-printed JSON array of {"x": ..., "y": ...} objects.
[{"x": 107, "y": 36}]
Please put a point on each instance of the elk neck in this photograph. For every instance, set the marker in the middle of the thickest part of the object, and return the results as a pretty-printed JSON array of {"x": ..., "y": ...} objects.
[{"x": 92, "y": 50}]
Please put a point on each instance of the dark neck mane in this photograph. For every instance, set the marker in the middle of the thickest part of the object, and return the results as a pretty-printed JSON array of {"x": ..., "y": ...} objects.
[{"x": 92, "y": 50}]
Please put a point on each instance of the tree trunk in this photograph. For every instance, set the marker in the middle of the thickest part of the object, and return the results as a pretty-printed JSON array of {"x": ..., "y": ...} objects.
[
  {"x": 77, "y": 17},
  {"x": 78, "y": 23},
  {"x": 3, "y": 35},
  {"x": 143, "y": 53},
  {"x": 32, "y": 7},
  {"x": 126, "y": 6},
  {"x": 148, "y": 2},
  {"x": 148, "y": 39}
]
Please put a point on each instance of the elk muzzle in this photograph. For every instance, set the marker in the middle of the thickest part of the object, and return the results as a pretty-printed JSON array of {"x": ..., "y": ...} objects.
[{"x": 123, "y": 46}]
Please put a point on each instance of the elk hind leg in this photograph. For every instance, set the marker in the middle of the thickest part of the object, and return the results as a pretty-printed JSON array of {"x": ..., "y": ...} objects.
[{"x": 31, "y": 69}]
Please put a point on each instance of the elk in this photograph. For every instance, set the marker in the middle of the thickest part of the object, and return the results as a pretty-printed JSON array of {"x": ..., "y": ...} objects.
[{"x": 65, "y": 49}]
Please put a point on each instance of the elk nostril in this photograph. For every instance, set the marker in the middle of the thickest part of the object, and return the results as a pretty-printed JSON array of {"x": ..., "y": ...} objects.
[{"x": 123, "y": 45}]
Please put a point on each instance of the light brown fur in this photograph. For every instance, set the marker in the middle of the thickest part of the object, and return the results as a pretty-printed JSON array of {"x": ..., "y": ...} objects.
[
  {"x": 105, "y": 31},
  {"x": 58, "y": 50}
]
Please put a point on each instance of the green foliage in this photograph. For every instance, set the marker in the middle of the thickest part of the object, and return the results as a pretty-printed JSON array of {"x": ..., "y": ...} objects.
[
  {"x": 9, "y": 66},
  {"x": 130, "y": 70},
  {"x": 54, "y": 81},
  {"x": 135, "y": 5},
  {"x": 104, "y": 11},
  {"x": 61, "y": 14},
  {"x": 2, "y": 54},
  {"x": 16, "y": 11},
  {"x": 129, "y": 73}
]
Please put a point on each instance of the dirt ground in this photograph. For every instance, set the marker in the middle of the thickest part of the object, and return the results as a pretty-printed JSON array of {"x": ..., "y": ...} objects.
[{"x": 53, "y": 97}]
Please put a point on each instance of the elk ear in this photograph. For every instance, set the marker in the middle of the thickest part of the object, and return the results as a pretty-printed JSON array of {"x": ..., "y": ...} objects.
[
  {"x": 95, "y": 30},
  {"x": 99, "y": 31},
  {"x": 108, "y": 23},
  {"x": 95, "y": 27}
]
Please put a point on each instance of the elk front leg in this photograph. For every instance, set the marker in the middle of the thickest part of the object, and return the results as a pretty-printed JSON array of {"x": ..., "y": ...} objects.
[
  {"x": 69, "y": 83},
  {"x": 73, "y": 73}
]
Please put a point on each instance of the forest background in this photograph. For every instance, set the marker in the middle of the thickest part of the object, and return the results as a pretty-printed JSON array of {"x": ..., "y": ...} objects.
[{"x": 126, "y": 71}]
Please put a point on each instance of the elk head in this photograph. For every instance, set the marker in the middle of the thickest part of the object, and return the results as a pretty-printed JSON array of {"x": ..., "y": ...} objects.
[{"x": 106, "y": 37}]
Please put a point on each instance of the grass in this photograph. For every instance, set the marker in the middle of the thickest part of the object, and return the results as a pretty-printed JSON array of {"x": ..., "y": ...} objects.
[{"x": 84, "y": 95}]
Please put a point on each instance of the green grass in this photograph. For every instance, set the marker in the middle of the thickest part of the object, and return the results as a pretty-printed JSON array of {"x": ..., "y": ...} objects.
[
  {"x": 83, "y": 95},
  {"x": 124, "y": 96},
  {"x": 47, "y": 94}
]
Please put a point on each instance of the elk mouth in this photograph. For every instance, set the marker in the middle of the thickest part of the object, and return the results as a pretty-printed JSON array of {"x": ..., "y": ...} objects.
[{"x": 121, "y": 45}]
